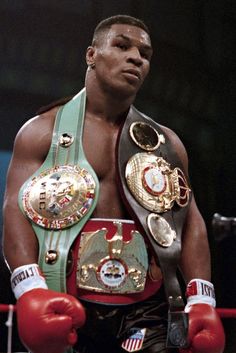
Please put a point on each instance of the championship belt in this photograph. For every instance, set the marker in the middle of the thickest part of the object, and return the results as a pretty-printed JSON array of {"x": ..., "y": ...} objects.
[
  {"x": 157, "y": 193},
  {"x": 112, "y": 264},
  {"x": 61, "y": 195}
]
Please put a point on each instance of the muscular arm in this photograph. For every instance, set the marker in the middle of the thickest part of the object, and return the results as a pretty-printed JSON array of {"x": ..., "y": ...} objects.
[
  {"x": 195, "y": 259},
  {"x": 56, "y": 316},
  {"x": 205, "y": 330},
  {"x": 20, "y": 245}
]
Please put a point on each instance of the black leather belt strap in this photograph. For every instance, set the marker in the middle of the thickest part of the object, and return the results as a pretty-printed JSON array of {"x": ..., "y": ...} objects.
[{"x": 168, "y": 257}]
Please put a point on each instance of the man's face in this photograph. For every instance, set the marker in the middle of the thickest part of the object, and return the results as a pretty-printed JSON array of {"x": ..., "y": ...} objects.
[{"x": 122, "y": 59}]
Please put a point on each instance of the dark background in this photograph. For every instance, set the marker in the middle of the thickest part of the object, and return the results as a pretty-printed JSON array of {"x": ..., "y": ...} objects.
[{"x": 191, "y": 88}]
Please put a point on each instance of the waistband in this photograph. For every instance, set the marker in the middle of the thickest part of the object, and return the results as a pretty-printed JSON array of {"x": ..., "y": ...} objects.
[{"x": 105, "y": 256}]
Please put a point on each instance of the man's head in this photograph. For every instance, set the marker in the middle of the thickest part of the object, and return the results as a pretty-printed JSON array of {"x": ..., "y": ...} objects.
[
  {"x": 106, "y": 24},
  {"x": 120, "y": 54}
]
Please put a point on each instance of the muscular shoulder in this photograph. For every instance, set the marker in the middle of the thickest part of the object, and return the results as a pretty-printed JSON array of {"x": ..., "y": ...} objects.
[
  {"x": 39, "y": 128},
  {"x": 177, "y": 145},
  {"x": 35, "y": 135}
]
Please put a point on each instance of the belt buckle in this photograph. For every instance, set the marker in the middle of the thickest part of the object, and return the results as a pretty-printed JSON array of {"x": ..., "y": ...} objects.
[{"x": 112, "y": 265}]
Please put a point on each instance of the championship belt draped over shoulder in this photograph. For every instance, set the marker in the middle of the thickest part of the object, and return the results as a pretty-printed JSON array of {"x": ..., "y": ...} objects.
[
  {"x": 61, "y": 195},
  {"x": 157, "y": 194}
]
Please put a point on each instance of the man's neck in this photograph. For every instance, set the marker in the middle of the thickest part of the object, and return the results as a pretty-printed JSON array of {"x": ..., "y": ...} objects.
[{"x": 105, "y": 105}]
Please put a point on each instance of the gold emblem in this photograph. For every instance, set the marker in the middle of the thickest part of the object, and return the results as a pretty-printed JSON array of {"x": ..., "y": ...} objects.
[
  {"x": 160, "y": 230},
  {"x": 154, "y": 184},
  {"x": 59, "y": 197},
  {"x": 51, "y": 257},
  {"x": 112, "y": 265},
  {"x": 145, "y": 136},
  {"x": 65, "y": 140}
]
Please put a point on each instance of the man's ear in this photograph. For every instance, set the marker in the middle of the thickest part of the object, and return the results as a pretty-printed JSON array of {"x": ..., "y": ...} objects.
[{"x": 90, "y": 56}]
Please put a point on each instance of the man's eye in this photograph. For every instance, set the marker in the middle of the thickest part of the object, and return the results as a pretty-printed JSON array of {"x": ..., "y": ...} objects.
[
  {"x": 144, "y": 55},
  {"x": 122, "y": 46}
]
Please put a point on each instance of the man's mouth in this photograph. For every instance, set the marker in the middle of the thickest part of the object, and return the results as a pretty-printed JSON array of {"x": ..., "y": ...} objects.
[{"x": 133, "y": 72}]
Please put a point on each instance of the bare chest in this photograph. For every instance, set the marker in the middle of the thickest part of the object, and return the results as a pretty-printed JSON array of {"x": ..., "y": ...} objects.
[{"x": 99, "y": 142}]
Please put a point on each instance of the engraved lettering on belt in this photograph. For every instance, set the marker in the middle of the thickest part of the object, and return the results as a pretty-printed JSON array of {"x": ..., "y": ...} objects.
[{"x": 112, "y": 265}]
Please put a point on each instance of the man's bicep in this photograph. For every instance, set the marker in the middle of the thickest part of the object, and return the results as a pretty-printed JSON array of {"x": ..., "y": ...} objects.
[
  {"x": 195, "y": 257},
  {"x": 20, "y": 244}
]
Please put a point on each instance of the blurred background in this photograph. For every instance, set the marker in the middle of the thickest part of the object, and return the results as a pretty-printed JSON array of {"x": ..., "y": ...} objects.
[{"x": 191, "y": 88}]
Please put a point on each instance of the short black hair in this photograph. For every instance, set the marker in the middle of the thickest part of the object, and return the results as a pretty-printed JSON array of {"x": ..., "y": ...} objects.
[{"x": 118, "y": 19}]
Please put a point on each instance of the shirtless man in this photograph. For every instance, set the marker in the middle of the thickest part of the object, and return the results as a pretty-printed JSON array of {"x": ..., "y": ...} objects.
[{"x": 118, "y": 62}]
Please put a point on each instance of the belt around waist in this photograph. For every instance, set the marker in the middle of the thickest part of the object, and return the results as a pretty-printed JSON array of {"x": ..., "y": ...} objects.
[{"x": 110, "y": 263}]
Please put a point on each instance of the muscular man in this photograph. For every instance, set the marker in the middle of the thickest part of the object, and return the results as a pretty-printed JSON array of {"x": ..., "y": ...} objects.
[{"x": 104, "y": 205}]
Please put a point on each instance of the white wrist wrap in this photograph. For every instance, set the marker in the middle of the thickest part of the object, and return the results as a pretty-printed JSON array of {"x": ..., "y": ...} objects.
[
  {"x": 25, "y": 278},
  {"x": 200, "y": 291}
]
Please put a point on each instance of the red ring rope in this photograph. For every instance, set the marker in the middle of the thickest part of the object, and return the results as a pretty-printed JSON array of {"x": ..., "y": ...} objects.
[
  {"x": 223, "y": 312},
  {"x": 226, "y": 312},
  {"x": 6, "y": 307}
]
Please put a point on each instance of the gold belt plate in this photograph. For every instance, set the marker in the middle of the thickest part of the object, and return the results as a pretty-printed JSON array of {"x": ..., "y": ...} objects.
[
  {"x": 59, "y": 197},
  {"x": 112, "y": 265},
  {"x": 154, "y": 184}
]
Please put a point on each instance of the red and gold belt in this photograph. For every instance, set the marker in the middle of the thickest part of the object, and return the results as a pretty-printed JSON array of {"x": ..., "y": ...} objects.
[{"x": 110, "y": 263}]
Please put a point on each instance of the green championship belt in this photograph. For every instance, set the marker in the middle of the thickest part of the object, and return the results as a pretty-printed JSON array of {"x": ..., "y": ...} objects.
[{"x": 61, "y": 195}]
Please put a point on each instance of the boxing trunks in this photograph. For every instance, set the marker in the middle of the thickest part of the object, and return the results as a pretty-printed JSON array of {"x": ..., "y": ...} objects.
[{"x": 139, "y": 327}]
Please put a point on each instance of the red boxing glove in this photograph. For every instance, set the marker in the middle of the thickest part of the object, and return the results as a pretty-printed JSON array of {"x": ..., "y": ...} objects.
[
  {"x": 47, "y": 320},
  {"x": 205, "y": 333}
]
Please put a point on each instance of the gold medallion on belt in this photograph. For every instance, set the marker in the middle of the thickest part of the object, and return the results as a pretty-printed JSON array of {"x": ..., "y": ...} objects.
[
  {"x": 154, "y": 184},
  {"x": 59, "y": 197}
]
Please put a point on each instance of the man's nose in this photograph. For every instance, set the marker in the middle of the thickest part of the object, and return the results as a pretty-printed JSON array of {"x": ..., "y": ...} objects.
[{"x": 134, "y": 56}]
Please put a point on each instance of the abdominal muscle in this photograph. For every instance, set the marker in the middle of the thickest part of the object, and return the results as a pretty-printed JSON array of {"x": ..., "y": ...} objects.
[{"x": 110, "y": 204}]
